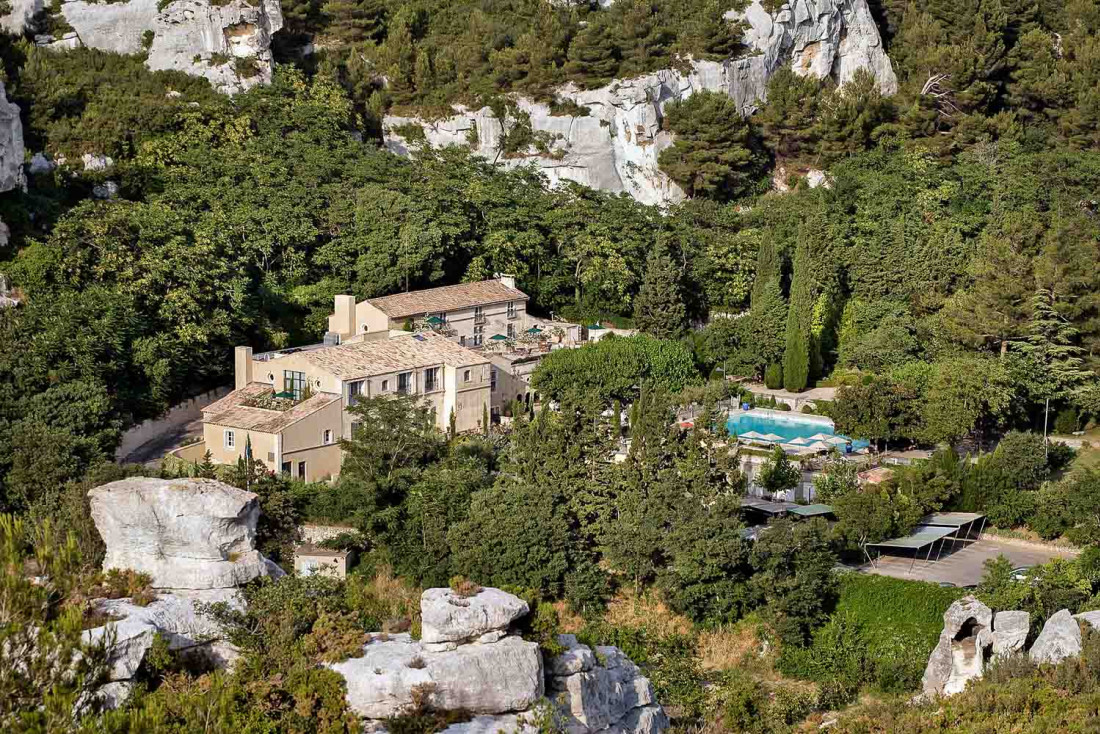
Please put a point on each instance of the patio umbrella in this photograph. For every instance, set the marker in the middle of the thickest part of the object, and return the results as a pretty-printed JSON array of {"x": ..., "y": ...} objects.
[
  {"x": 498, "y": 338},
  {"x": 534, "y": 330},
  {"x": 838, "y": 440},
  {"x": 820, "y": 437},
  {"x": 772, "y": 437},
  {"x": 751, "y": 435},
  {"x": 434, "y": 320},
  {"x": 595, "y": 327},
  {"x": 800, "y": 441},
  {"x": 819, "y": 446}
]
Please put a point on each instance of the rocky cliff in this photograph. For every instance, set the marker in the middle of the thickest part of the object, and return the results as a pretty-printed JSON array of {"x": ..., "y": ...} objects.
[
  {"x": 227, "y": 43},
  {"x": 614, "y": 147}
]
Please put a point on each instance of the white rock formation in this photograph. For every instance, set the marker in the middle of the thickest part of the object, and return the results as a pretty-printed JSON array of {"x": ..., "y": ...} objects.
[
  {"x": 194, "y": 537},
  {"x": 959, "y": 656},
  {"x": 1010, "y": 632},
  {"x": 1060, "y": 639},
  {"x": 11, "y": 144},
  {"x": 450, "y": 618},
  {"x": 615, "y": 145},
  {"x": 228, "y": 44},
  {"x": 499, "y": 677},
  {"x": 184, "y": 533},
  {"x": 18, "y": 20},
  {"x": 604, "y": 691},
  {"x": 1092, "y": 617}
]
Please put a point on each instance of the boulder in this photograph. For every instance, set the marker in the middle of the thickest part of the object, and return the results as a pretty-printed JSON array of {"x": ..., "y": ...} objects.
[
  {"x": 19, "y": 18},
  {"x": 11, "y": 144},
  {"x": 959, "y": 656},
  {"x": 40, "y": 164},
  {"x": 127, "y": 641},
  {"x": 94, "y": 162},
  {"x": 184, "y": 533},
  {"x": 450, "y": 618},
  {"x": 501, "y": 677},
  {"x": 603, "y": 691},
  {"x": 1093, "y": 618},
  {"x": 1010, "y": 632},
  {"x": 1060, "y": 639},
  {"x": 614, "y": 143}
]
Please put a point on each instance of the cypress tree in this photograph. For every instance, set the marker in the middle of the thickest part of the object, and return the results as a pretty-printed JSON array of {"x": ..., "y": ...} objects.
[
  {"x": 767, "y": 267},
  {"x": 659, "y": 308},
  {"x": 796, "y": 358}
]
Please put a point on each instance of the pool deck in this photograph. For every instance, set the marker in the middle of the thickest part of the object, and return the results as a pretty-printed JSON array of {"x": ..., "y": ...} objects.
[{"x": 794, "y": 399}]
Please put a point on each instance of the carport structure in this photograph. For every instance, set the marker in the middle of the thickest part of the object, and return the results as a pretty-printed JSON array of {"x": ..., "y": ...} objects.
[
  {"x": 939, "y": 527},
  {"x": 923, "y": 536}
]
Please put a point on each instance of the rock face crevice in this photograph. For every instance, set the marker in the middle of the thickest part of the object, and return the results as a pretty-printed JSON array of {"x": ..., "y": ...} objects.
[
  {"x": 229, "y": 44},
  {"x": 615, "y": 146},
  {"x": 11, "y": 145}
]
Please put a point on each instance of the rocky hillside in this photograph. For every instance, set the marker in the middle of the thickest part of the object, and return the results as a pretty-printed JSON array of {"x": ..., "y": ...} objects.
[
  {"x": 228, "y": 43},
  {"x": 609, "y": 138}
]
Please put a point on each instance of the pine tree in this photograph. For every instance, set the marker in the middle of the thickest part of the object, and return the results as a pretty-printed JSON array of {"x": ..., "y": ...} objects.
[
  {"x": 659, "y": 308},
  {"x": 796, "y": 357},
  {"x": 355, "y": 21},
  {"x": 1051, "y": 347},
  {"x": 593, "y": 55}
]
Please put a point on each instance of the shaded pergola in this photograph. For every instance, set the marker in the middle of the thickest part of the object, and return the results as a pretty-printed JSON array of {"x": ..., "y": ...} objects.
[
  {"x": 818, "y": 510},
  {"x": 766, "y": 508}
]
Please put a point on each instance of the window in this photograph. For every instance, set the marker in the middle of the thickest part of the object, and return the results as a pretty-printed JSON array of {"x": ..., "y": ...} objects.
[
  {"x": 294, "y": 382},
  {"x": 404, "y": 383},
  {"x": 286, "y": 468},
  {"x": 511, "y": 331},
  {"x": 479, "y": 317},
  {"x": 492, "y": 380},
  {"x": 230, "y": 439},
  {"x": 326, "y": 437},
  {"x": 302, "y": 470},
  {"x": 271, "y": 456},
  {"x": 355, "y": 391},
  {"x": 431, "y": 379},
  {"x": 385, "y": 385},
  {"x": 355, "y": 426},
  {"x": 511, "y": 309},
  {"x": 479, "y": 334},
  {"x": 462, "y": 341},
  {"x": 465, "y": 375}
]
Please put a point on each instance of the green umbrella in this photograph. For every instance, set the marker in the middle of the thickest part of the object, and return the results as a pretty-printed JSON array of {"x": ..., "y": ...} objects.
[
  {"x": 596, "y": 327},
  {"x": 435, "y": 320},
  {"x": 287, "y": 395},
  {"x": 498, "y": 338},
  {"x": 534, "y": 330}
]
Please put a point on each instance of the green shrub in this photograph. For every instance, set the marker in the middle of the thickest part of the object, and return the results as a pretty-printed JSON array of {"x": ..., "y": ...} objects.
[
  {"x": 1066, "y": 421},
  {"x": 773, "y": 376},
  {"x": 783, "y": 406},
  {"x": 1013, "y": 509}
]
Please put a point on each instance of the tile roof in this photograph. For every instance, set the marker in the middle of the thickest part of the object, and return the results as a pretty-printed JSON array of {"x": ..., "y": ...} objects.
[
  {"x": 355, "y": 360},
  {"x": 230, "y": 411},
  {"x": 446, "y": 298}
]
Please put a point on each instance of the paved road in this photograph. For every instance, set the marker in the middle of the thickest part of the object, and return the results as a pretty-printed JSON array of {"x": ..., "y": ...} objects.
[
  {"x": 151, "y": 452},
  {"x": 963, "y": 567}
]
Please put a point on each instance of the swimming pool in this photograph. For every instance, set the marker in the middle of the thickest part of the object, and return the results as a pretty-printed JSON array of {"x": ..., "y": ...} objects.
[{"x": 793, "y": 430}]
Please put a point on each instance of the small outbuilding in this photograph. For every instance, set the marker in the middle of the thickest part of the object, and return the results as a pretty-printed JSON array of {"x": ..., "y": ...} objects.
[{"x": 312, "y": 559}]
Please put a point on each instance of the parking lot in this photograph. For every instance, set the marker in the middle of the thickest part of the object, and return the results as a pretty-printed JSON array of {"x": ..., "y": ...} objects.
[{"x": 964, "y": 566}]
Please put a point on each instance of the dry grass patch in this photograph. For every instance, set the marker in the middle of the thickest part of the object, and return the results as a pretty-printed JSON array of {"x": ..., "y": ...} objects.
[{"x": 628, "y": 609}]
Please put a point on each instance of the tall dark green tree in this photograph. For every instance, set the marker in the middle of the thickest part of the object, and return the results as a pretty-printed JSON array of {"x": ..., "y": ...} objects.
[
  {"x": 659, "y": 307},
  {"x": 796, "y": 356}
]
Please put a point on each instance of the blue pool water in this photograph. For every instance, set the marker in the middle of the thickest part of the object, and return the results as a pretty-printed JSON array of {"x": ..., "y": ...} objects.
[{"x": 787, "y": 426}]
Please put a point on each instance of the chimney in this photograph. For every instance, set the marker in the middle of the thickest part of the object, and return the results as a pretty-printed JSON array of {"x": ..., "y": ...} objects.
[
  {"x": 508, "y": 280},
  {"x": 242, "y": 366},
  {"x": 342, "y": 321}
]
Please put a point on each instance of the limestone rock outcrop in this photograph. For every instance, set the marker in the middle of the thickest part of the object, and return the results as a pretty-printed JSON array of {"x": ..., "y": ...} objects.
[
  {"x": 195, "y": 539},
  {"x": 959, "y": 656},
  {"x": 615, "y": 144},
  {"x": 602, "y": 691},
  {"x": 19, "y": 18},
  {"x": 184, "y": 533},
  {"x": 476, "y": 664},
  {"x": 1010, "y": 632},
  {"x": 11, "y": 144},
  {"x": 450, "y": 618},
  {"x": 1060, "y": 639},
  {"x": 228, "y": 43}
]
